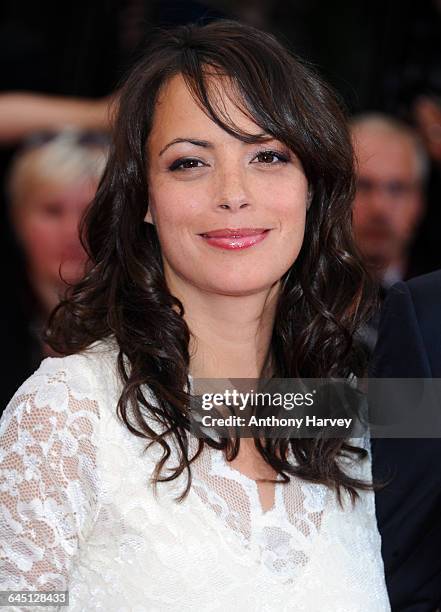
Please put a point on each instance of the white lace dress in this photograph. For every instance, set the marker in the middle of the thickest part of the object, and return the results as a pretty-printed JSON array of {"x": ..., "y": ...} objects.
[{"x": 78, "y": 512}]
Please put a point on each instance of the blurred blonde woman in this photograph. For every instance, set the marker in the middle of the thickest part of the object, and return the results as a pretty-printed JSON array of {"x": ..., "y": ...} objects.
[{"x": 52, "y": 179}]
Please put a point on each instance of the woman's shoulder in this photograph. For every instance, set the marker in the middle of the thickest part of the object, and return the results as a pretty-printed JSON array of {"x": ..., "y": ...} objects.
[
  {"x": 82, "y": 377},
  {"x": 96, "y": 363}
]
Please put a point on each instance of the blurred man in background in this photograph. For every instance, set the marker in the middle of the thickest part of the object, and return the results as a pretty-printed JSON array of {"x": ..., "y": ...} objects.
[{"x": 391, "y": 168}]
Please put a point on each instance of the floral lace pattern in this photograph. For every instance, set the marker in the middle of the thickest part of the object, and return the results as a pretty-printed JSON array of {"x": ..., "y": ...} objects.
[
  {"x": 78, "y": 512},
  {"x": 283, "y": 534},
  {"x": 48, "y": 478}
]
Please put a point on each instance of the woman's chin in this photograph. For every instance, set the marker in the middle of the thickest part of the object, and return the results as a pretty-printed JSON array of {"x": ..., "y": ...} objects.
[{"x": 241, "y": 288}]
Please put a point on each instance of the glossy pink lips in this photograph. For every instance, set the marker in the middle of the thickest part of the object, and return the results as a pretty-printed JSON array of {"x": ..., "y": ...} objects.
[{"x": 235, "y": 238}]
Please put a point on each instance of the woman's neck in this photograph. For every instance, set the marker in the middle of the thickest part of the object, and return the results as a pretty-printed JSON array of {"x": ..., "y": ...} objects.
[{"x": 231, "y": 335}]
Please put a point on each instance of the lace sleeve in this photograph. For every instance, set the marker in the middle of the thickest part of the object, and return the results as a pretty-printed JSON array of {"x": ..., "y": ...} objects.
[{"x": 48, "y": 477}]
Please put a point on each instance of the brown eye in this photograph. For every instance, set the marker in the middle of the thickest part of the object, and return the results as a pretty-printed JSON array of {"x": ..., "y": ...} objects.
[
  {"x": 186, "y": 164},
  {"x": 271, "y": 157}
]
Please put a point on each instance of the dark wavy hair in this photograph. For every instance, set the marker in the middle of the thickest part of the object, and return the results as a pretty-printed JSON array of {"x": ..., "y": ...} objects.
[{"x": 124, "y": 295}]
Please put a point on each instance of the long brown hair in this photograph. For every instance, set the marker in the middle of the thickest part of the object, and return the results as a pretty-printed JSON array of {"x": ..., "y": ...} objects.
[{"x": 124, "y": 293}]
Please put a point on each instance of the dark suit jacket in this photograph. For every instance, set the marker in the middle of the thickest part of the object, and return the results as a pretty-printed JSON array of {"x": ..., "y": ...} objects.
[{"x": 409, "y": 508}]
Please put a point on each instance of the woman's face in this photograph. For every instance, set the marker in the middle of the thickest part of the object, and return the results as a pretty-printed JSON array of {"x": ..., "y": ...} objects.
[
  {"x": 230, "y": 216},
  {"x": 46, "y": 222}
]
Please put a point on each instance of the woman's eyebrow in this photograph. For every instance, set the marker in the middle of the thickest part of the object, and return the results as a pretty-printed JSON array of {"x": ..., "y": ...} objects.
[
  {"x": 260, "y": 137},
  {"x": 198, "y": 143}
]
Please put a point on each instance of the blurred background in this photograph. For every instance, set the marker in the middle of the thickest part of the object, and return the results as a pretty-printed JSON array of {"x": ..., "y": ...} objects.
[{"x": 61, "y": 62}]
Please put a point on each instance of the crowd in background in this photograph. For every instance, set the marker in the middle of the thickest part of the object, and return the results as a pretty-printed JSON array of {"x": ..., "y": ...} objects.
[{"x": 60, "y": 75}]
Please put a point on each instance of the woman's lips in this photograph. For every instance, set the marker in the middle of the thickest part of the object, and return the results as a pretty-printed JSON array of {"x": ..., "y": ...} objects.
[{"x": 233, "y": 239}]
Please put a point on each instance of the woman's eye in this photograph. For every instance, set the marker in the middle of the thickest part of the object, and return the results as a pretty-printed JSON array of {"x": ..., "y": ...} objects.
[
  {"x": 52, "y": 210},
  {"x": 271, "y": 157},
  {"x": 186, "y": 164}
]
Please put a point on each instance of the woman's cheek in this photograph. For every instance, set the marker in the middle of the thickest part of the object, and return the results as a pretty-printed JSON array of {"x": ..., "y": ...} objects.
[
  {"x": 48, "y": 230},
  {"x": 180, "y": 207},
  {"x": 42, "y": 240},
  {"x": 286, "y": 193}
]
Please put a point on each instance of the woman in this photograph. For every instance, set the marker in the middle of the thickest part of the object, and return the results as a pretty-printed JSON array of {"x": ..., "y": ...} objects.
[
  {"x": 220, "y": 247},
  {"x": 51, "y": 181}
]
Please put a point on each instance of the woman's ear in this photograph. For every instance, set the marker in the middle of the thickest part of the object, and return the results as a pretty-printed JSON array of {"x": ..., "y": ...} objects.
[
  {"x": 309, "y": 197},
  {"x": 148, "y": 217}
]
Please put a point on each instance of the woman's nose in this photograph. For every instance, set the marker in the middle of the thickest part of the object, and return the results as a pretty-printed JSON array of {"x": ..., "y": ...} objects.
[
  {"x": 233, "y": 192},
  {"x": 230, "y": 205}
]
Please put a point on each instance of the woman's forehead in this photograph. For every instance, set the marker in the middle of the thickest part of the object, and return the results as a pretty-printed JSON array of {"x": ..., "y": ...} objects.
[{"x": 177, "y": 107}]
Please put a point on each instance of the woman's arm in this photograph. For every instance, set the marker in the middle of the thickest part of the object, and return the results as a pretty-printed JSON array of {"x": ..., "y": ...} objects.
[
  {"x": 48, "y": 477},
  {"x": 23, "y": 113}
]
